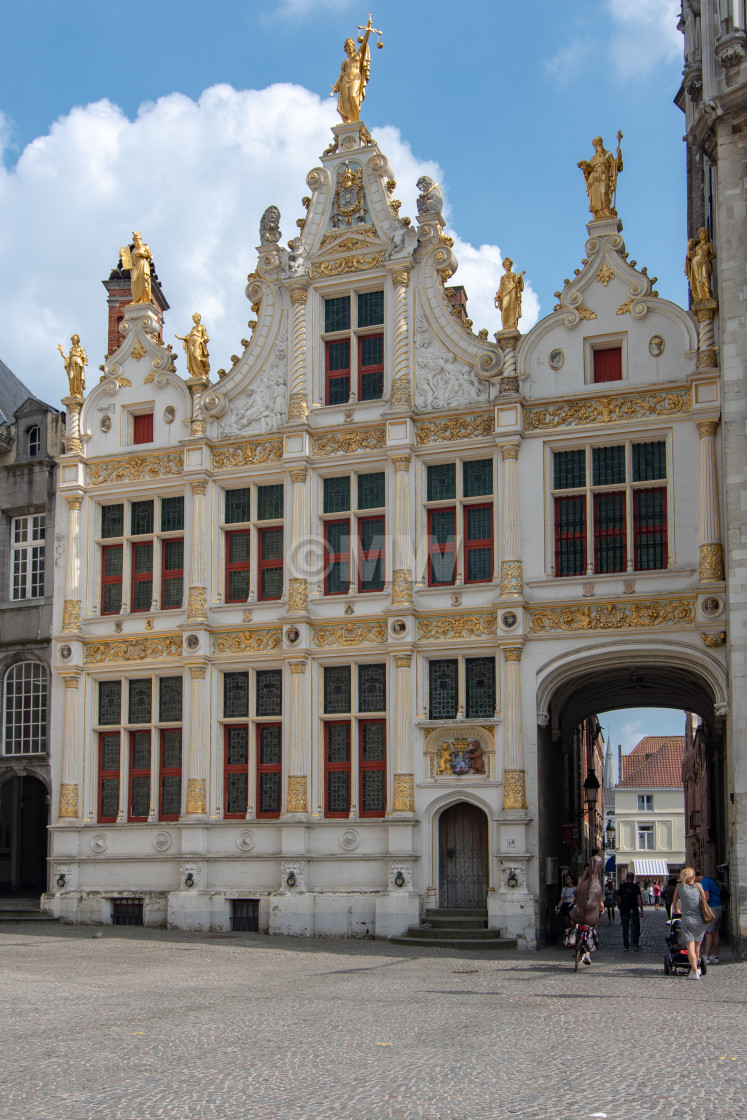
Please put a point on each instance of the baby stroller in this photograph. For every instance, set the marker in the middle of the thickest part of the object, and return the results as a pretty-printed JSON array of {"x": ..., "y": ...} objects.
[{"x": 676, "y": 955}]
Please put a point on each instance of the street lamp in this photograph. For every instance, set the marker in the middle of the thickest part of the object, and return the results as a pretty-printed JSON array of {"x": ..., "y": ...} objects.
[
  {"x": 609, "y": 836},
  {"x": 591, "y": 789}
]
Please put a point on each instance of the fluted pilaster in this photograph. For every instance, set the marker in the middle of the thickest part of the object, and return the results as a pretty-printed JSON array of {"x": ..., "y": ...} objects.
[
  {"x": 512, "y": 579},
  {"x": 711, "y": 560},
  {"x": 71, "y": 604},
  {"x": 298, "y": 581},
  {"x": 297, "y": 800},
  {"x": 514, "y": 777},
  {"x": 69, "y": 785},
  {"x": 197, "y": 598},
  {"x": 401, "y": 393},
  {"x": 197, "y": 756},
  {"x": 404, "y": 781},
  {"x": 402, "y": 544},
  {"x": 298, "y": 404}
]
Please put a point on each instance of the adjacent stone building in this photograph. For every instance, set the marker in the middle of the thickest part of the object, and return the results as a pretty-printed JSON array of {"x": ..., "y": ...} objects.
[
  {"x": 650, "y": 809},
  {"x": 328, "y": 624},
  {"x": 30, "y": 441}
]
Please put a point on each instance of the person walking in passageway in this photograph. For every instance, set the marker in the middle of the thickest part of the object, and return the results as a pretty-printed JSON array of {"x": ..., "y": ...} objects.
[
  {"x": 631, "y": 911},
  {"x": 656, "y": 891},
  {"x": 566, "y": 899},
  {"x": 610, "y": 901},
  {"x": 712, "y": 934},
  {"x": 589, "y": 907},
  {"x": 687, "y": 904},
  {"x": 668, "y": 893}
]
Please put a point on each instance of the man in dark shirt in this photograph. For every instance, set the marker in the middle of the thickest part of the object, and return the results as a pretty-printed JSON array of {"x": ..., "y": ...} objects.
[{"x": 631, "y": 907}]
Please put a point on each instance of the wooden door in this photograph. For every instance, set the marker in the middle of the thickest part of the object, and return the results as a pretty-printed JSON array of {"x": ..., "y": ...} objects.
[{"x": 463, "y": 857}]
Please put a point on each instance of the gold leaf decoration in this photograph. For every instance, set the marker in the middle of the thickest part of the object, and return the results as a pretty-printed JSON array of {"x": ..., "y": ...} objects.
[
  {"x": 586, "y": 312},
  {"x": 131, "y": 649},
  {"x": 346, "y": 441},
  {"x": 451, "y": 626},
  {"x": 341, "y": 265},
  {"x": 613, "y": 615},
  {"x": 606, "y": 410},
  {"x": 605, "y": 274},
  {"x": 351, "y": 634},
  {"x": 136, "y": 468},
  {"x": 246, "y": 641},
  {"x": 243, "y": 454},
  {"x": 454, "y": 428},
  {"x": 624, "y": 308},
  {"x": 138, "y": 351}
]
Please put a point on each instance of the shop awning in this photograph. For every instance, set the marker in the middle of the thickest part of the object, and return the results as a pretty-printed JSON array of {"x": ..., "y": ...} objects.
[
  {"x": 609, "y": 866},
  {"x": 651, "y": 867}
]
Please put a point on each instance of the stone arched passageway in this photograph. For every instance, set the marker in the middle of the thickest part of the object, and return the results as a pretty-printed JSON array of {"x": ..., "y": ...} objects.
[{"x": 23, "y": 834}]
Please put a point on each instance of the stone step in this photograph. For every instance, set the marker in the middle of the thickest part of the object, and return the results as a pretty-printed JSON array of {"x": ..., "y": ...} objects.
[
  {"x": 438, "y": 912},
  {"x": 25, "y": 916},
  {"x": 19, "y": 902},
  {"x": 487, "y": 945},
  {"x": 455, "y": 933},
  {"x": 457, "y": 923}
]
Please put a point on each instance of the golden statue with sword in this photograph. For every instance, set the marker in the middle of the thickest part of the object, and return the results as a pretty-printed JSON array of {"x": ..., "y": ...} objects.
[{"x": 350, "y": 87}]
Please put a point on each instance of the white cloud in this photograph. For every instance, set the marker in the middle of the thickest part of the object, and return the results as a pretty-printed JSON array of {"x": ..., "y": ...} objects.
[
  {"x": 194, "y": 177},
  {"x": 642, "y": 34}
]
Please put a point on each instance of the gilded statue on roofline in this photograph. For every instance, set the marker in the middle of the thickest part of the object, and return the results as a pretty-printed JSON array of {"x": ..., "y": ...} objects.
[
  {"x": 699, "y": 265},
  {"x": 600, "y": 176},
  {"x": 350, "y": 87},
  {"x": 138, "y": 258},
  {"x": 508, "y": 296},
  {"x": 195, "y": 347},
  {"x": 75, "y": 363}
]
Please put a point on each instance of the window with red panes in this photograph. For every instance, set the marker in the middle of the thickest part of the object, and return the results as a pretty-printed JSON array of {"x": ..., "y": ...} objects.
[
  {"x": 109, "y": 747},
  {"x": 350, "y": 323},
  {"x": 607, "y": 364},
  {"x": 255, "y": 517},
  {"x": 354, "y": 747},
  {"x": 451, "y": 493},
  {"x": 142, "y": 428}
]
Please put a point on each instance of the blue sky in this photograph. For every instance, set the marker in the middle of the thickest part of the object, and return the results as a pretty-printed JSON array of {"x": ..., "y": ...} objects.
[
  {"x": 629, "y": 725},
  {"x": 186, "y": 119}
]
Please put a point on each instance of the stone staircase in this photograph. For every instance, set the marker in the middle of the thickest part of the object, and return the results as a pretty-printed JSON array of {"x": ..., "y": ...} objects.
[
  {"x": 16, "y": 909},
  {"x": 456, "y": 929}
]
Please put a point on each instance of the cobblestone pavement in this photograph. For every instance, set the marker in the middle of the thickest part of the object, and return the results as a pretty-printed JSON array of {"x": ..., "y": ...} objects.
[{"x": 141, "y": 1024}]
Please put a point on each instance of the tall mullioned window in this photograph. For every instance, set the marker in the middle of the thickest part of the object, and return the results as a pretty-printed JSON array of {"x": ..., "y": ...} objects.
[
  {"x": 28, "y": 537},
  {"x": 253, "y": 527},
  {"x": 354, "y": 347},
  {"x": 466, "y": 684},
  {"x": 253, "y": 743},
  {"x": 354, "y": 714},
  {"x": 610, "y": 509},
  {"x": 353, "y": 512},
  {"x": 142, "y": 554},
  {"x": 25, "y": 707},
  {"x": 460, "y": 522}
]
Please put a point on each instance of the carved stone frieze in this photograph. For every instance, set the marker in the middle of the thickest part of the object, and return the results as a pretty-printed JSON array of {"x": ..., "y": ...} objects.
[
  {"x": 297, "y": 796},
  {"x": 131, "y": 649},
  {"x": 441, "y": 381},
  {"x": 136, "y": 468},
  {"x": 345, "y": 442},
  {"x": 351, "y": 634},
  {"x": 613, "y": 615},
  {"x": 244, "y": 454},
  {"x": 607, "y": 410},
  {"x": 196, "y": 796},
  {"x": 404, "y": 793},
  {"x": 247, "y": 641},
  {"x": 339, "y": 266},
  {"x": 447, "y": 627},
  {"x": 514, "y": 789},
  {"x": 454, "y": 428}
]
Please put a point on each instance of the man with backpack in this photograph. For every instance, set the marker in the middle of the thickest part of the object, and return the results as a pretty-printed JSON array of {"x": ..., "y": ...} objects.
[
  {"x": 631, "y": 910},
  {"x": 715, "y": 901}
]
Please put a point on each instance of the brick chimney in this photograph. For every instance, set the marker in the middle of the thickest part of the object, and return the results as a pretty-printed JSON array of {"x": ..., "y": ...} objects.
[{"x": 119, "y": 296}]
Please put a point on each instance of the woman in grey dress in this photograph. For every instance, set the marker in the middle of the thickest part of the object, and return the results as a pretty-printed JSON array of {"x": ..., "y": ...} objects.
[{"x": 686, "y": 901}]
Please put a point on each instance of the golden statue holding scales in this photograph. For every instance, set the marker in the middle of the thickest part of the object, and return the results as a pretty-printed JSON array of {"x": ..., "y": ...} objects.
[{"x": 350, "y": 87}]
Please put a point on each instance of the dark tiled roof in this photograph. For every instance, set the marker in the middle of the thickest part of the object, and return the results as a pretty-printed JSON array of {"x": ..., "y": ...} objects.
[
  {"x": 12, "y": 393},
  {"x": 655, "y": 763}
]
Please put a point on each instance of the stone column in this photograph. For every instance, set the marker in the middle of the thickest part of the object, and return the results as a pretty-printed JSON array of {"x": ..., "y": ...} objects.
[
  {"x": 71, "y": 604},
  {"x": 298, "y": 585},
  {"x": 512, "y": 578},
  {"x": 197, "y": 600},
  {"x": 73, "y": 442},
  {"x": 197, "y": 387},
  {"x": 401, "y": 391},
  {"x": 297, "y": 800},
  {"x": 711, "y": 560},
  {"x": 514, "y": 775},
  {"x": 298, "y": 405},
  {"x": 402, "y": 549},
  {"x": 404, "y": 779},
  {"x": 197, "y": 763},
  {"x": 508, "y": 341},
  {"x": 705, "y": 311},
  {"x": 69, "y": 783}
]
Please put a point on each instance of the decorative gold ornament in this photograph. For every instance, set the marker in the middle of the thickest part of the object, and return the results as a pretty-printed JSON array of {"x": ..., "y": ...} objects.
[
  {"x": 706, "y": 359},
  {"x": 624, "y": 308},
  {"x": 300, "y": 475},
  {"x": 401, "y": 586},
  {"x": 75, "y": 362},
  {"x": 585, "y": 312},
  {"x": 350, "y": 87},
  {"x": 136, "y": 468},
  {"x": 298, "y": 408},
  {"x": 68, "y": 800},
  {"x": 510, "y": 450},
  {"x": 297, "y": 797},
  {"x": 707, "y": 428},
  {"x": 244, "y": 454},
  {"x": 297, "y": 666},
  {"x": 403, "y": 660},
  {"x": 401, "y": 394},
  {"x": 138, "y": 352},
  {"x": 512, "y": 577},
  {"x": 448, "y": 627},
  {"x": 404, "y": 793},
  {"x": 75, "y": 501},
  {"x": 600, "y": 176},
  {"x": 613, "y": 615},
  {"x": 196, "y": 349},
  {"x": 513, "y": 653},
  {"x": 197, "y": 428},
  {"x": 714, "y": 641},
  {"x": 199, "y": 487},
  {"x": 514, "y": 789},
  {"x": 298, "y": 594},
  {"x": 341, "y": 265},
  {"x": 71, "y": 681},
  {"x": 247, "y": 641},
  {"x": 350, "y": 634},
  {"x": 196, "y": 796},
  {"x": 342, "y": 241},
  {"x": 71, "y": 615},
  {"x": 131, "y": 649},
  {"x": 73, "y": 445},
  {"x": 711, "y": 564},
  {"x": 454, "y": 428},
  {"x": 402, "y": 462},
  {"x": 346, "y": 441},
  {"x": 138, "y": 259},
  {"x": 605, "y": 274},
  {"x": 508, "y": 296},
  {"x": 198, "y": 672},
  {"x": 401, "y": 278},
  {"x": 197, "y": 603},
  {"x": 299, "y": 295},
  {"x": 606, "y": 410},
  {"x": 699, "y": 265}
]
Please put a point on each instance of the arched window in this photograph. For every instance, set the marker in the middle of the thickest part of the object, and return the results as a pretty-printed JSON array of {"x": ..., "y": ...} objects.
[
  {"x": 33, "y": 440},
  {"x": 25, "y": 695}
]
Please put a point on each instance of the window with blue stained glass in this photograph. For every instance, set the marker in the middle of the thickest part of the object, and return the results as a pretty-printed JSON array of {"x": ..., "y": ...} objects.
[
  {"x": 443, "y": 689},
  {"x": 478, "y": 478},
  {"x": 269, "y": 502},
  {"x": 337, "y": 494},
  {"x": 170, "y": 699},
  {"x": 649, "y": 461},
  {"x": 371, "y": 490},
  {"x": 480, "y": 674},
  {"x": 608, "y": 465},
  {"x": 235, "y": 695},
  {"x": 337, "y": 314},
  {"x": 370, "y": 309},
  {"x": 141, "y": 518},
  {"x": 372, "y": 688},
  {"x": 238, "y": 505},
  {"x": 112, "y": 520},
  {"x": 337, "y": 693},
  {"x": 569, "y": 469},
  {"x": 110, "y": 703},
  {"x": 441, "y": 485},
  {"x": 140, "y": 701},
  {"x": 269, "y": 692},
  {"x": 172, "y": 513}
]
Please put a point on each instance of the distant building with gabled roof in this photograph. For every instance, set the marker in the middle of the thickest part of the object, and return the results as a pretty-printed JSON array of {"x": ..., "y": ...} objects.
[{"x": 650, "y": 808}]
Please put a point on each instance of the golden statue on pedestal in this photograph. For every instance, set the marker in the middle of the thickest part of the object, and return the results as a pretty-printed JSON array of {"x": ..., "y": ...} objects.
[
  {"x": 75, "y": 363},
  {"x": 195, "y": 347},
  {"x": 508, "y": 296},
  {"x": 600, "y": 175},
  {"x": 138, "y": 261},
  {"x": 350, "y": 87},
  {"x": 698, "y": 265}
]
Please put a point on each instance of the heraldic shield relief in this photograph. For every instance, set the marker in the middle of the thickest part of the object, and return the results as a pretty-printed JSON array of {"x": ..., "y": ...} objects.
[{"x": 460, "y": 752}]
